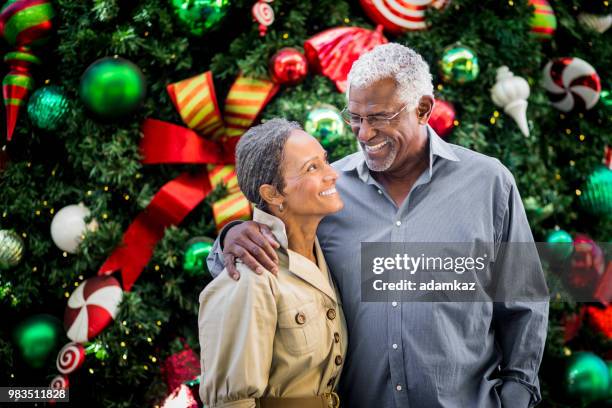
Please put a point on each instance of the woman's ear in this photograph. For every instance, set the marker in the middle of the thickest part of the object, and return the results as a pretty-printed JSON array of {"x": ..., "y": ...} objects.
[
  {"x": 271, "y": 195},
  {"x": 426, "y": 104}
]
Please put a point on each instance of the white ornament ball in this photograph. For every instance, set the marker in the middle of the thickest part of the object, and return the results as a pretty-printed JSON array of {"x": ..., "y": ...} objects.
[{"x": 68, "y": 227}]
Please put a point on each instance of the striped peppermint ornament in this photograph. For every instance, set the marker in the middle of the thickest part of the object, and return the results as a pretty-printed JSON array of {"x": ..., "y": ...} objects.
[
  {"x": 70, "y": 358},
  {"x": 572, "y": 84},
  {"x": 91, "y": 307},
  {"x": 398, "y": 16}
]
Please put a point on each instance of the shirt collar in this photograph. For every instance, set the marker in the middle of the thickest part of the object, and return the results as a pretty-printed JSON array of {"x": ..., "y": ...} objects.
[
  {"x": 437, "y": 147},
  {"x": 316, "y": 275}
]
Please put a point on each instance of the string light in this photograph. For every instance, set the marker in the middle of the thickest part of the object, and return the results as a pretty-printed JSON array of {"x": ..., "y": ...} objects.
[
  {"x": 567, "y": 352},
  {"x": 124, "y": 356},
  {"x": 76, "y": 284},
  {"x": 66, "y": 294},
  {"x": 496, "y": 114},
  {"x": 37, "y": 212},
  {"x": 122, "y": 344},
  {"x": 156, "y": 267},
  {"x": 53, "y": 173},
  {"x": 456, "y": 122},
  {"x": 91, "y": 371},
  {"x": 126, "y": 197},
  {"x": 104, "y": 216},
  {"x": 153, "y": 359},
  {"x": 285, "y": 36},
  {"x": 159, "y": 322},
  {"x": 568, "y": 131},
  {"x": 511, "y": 3},
  {"x": 440, "y": 87},
  {"x": 582, "y": 137},
  {"x": 52, "y": 211},
  {"x": 89, "y": 192},
  {"x": 105, "y": 188},
  {"x": 492, "y": 120},
  {"x": 347, "y": 20},
  {"x": 34, "y": 269},
  {"x": 23, "y": 234},
  {"x": 65, "y": 254},
  {"x": 557, "y": 176}
]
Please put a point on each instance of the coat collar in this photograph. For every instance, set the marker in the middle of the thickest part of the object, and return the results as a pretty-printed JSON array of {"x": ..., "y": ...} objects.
[
  {"x": 302, "y": 267},
  {"x": 437, "y": 147}
]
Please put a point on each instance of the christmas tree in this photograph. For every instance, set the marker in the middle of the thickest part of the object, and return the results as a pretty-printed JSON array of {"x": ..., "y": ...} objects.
[{"x": 122, "y": 117}]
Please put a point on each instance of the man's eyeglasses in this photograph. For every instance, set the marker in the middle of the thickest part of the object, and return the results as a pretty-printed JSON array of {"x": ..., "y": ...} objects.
[{"x": 375, "y": 121}]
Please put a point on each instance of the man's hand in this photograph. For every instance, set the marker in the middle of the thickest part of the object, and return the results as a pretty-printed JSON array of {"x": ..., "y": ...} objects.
[{"x": 254, "y": 244}]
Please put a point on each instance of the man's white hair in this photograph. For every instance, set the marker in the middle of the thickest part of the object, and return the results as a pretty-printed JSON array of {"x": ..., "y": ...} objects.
[{"x": 392, "y": 60}]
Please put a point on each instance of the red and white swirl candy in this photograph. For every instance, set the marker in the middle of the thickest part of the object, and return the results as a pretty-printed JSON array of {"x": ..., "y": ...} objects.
[
  {"x": 70, "y": 358},
  {"x": 572, "y": 84},
  {"x": 59, "y": 382},
  {"x": 263, "y": 14},
  {"x": 399, "y": 16},
  {"x": 91, "y": 307}
]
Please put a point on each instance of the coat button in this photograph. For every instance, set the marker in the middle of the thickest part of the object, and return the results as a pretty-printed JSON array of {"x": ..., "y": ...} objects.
[
  {"x": 300, "y": 318},
  {"x": 331, "y": 314},
  {"x": 337, "y": 337},
  {"x": 338, "y": 360}
]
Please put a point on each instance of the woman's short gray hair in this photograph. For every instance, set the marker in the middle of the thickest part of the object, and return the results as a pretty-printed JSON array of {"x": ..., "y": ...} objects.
[
  {"x": 259, "y": 155},
  {"x": 392, "y": 60}
]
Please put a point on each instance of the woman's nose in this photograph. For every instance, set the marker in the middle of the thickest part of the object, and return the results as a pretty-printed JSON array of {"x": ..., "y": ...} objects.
[{"x": 331, "y": 174}]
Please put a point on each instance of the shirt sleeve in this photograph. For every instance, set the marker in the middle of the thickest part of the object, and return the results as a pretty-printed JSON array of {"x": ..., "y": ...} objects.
[
  {"x": 520, "y": 326},
  {"x": 237, "y": 323},
  {"x": 214, "y": 261}
]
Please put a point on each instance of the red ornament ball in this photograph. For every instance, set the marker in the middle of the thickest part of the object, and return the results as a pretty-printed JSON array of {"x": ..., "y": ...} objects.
[
  {"x": 288, "y": 66},
  {"x": 587, "y": 265},
  {"x": 442, "y": 118}
]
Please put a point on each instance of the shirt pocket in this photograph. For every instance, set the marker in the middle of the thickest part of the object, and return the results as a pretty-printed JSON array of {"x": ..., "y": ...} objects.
[{"x": 301, "y": 328}]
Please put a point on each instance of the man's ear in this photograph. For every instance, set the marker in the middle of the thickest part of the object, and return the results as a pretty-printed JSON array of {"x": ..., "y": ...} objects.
[
  {"x": 271, "y": 195},
  {"x": 424, "y": 109}
]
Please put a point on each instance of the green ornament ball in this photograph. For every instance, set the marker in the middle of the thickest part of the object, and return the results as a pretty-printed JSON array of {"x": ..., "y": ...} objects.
[
  {"x": 112, "y": 87},
  {"x": 200, "y": 16},
  {"x": 194, "y": 259},
  {"x": 37, "y": 338},
  {"x": 596, "y": 197},
  {"x": 587, "y": 377},
  {"x": 326, "y": 124},
  {"x": 459, "y": 64},
  {"x": 48, "y": 107},
  {"x": 11, "y": 249},
  {"x": 560, "y": 243}
]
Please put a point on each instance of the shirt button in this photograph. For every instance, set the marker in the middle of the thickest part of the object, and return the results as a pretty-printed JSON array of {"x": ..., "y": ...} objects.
[
  {"x": 398, "y": 387},
  {"x": 394, "y": 346},
  {"x": 338, "y": 360},
  {"x": 379, "y": 191},
  {"x": 394, "y": 304},
  {"x": 300, "y": 318},
  {"x": 337, "y": 337},
  {"x": 331, "y": 314},
  {"x": 398, "y": 223}
]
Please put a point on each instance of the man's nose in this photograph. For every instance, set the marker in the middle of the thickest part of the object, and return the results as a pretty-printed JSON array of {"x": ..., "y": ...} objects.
[{"x": 365, "y": 132}]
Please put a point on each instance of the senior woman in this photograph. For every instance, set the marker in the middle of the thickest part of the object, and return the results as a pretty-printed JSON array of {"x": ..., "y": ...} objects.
[{"x": 277, "y": 341}]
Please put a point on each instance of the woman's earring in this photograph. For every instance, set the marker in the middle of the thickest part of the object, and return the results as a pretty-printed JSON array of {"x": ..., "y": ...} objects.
[{"x": 281, "y": 208}]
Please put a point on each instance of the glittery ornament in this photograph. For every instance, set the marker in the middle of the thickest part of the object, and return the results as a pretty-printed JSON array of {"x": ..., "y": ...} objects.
[
  {"x": 596, "y": 195},
  {"x": 200, "y": 16},
  {"x": 48, "y": 107},
  {"x": 11, "y": 249}
]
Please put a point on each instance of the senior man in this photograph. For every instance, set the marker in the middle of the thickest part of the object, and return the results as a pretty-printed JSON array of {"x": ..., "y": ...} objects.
[{"x": 408, "y": 185}]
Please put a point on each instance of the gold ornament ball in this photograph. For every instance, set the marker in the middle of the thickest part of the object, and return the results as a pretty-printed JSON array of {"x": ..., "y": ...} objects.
[{"x": 11, "y": 249}]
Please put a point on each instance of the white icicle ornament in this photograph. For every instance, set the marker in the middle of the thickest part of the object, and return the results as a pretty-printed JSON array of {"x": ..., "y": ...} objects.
[{"x": 511, "y": 92}]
